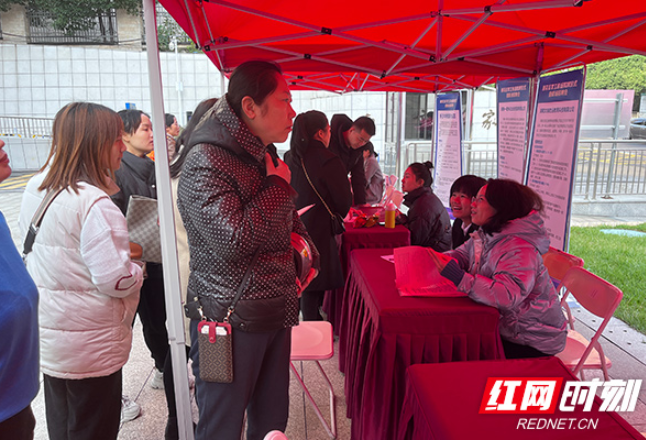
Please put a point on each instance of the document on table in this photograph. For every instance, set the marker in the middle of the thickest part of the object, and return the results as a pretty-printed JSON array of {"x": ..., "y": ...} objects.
[{"x": 416, "y": 274}]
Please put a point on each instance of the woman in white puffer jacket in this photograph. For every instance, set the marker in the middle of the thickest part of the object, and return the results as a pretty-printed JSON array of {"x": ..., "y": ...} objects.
[{"x": 88, "y": 285}]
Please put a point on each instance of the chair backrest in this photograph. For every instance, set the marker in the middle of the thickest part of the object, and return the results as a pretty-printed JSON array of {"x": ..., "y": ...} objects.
[
  {"x": 558, "y": 263},
  {"x": 593, "y": 293}
]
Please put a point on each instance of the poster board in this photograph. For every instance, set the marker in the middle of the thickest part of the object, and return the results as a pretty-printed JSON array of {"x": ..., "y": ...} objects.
[
  {"x": 448, "y": 144},
  {"x": 553, "y": 149},
  {"x": 513, "y": 113}
]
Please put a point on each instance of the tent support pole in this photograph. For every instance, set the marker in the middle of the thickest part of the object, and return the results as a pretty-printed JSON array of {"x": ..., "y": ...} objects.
[{"x": 175, "y": 317}]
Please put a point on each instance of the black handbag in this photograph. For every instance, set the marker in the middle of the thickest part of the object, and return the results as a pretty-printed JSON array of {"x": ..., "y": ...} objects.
[
  {"x": 336, "y": 220},
  {"x": 215, "y": 339}
]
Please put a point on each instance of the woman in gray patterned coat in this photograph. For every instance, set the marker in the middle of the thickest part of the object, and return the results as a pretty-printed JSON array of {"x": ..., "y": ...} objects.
[{"x": 235, "y": 198}]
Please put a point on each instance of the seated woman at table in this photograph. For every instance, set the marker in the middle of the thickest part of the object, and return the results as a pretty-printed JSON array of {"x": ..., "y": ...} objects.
[
  {"x": 320, "y": 178},
  {"x": 463, "y": 190},
  {"x": 501, "y": 266},
  {"x": 427, "y": 219}
]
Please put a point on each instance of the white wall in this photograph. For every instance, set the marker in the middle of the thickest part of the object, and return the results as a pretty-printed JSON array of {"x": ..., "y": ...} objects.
[{"x": 36, "y": 81}]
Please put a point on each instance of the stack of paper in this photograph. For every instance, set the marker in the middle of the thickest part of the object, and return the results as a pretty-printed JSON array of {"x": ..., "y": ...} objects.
[{"x": 416, "y": 274}]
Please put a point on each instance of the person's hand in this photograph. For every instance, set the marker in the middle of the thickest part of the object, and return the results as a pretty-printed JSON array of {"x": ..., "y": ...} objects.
[
  {"x": 136, "y": 251},
  {"x": 282, "y": 170},
  {"x": 440, "y": 259},
  {"x": 313, "y": 273}
]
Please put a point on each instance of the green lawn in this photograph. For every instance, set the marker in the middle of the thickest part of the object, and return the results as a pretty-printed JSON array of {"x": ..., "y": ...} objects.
[{"x": 621, "y": 261}]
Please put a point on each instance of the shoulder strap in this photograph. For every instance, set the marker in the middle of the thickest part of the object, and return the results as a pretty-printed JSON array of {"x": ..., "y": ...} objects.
[
  {"x": 34, "y": 226},
  {"x": 314, "y": 188},
  {"x": 243, "y": 283}
]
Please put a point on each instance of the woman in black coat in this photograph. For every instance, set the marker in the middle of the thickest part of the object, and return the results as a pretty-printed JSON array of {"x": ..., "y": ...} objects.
[
  {"x": 309, "y": 157},
  {"x": 427, "y": 219}
]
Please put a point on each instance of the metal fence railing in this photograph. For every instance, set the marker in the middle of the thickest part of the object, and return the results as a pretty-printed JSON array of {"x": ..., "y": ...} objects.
[
  {"x": 26, "y": 128},
  {"x": 102, "y": 30},
  {"x": 604, "y": 168}
]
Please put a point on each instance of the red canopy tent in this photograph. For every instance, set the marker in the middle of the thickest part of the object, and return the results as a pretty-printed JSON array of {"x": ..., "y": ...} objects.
[
  {"x": 375, "y": 45},
  {"x": 415, "y": 46}
]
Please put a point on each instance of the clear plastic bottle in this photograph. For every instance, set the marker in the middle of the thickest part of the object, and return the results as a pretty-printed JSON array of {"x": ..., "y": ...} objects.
[{"x": 391, "y": 212}]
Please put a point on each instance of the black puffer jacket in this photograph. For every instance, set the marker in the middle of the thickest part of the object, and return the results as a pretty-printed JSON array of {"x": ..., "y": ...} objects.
[
  {"x": 328, "y": 176},
  {"x": 427, "y": 219},
  {"x": 229, "y": 208},
  {"x": 136, "y": 176},
  {"x": 352, "y": 159}
]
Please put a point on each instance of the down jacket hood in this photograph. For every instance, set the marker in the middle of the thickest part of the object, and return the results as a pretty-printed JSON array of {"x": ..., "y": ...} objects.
[
  {"x": 530, "y": 228},
  {"x": 220, "y": 126}
]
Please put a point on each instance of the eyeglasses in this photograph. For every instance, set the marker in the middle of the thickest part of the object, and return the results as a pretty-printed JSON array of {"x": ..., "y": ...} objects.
[{"x": 478, "y": 200}]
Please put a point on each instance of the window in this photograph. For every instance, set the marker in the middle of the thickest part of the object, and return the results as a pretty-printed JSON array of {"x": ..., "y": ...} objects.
[{"x": 419, "y": 116}]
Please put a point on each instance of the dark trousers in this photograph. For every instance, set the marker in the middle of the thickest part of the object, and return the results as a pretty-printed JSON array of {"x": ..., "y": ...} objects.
[
  {"x": 84, "y": 409},
  {"x": 152, "y": 312},
  {"x": 517, "y": 351},
  {"x": 260, "y": 386},
  {"x": 311, "y": 302},
  {"x": 19, "y": 427}
]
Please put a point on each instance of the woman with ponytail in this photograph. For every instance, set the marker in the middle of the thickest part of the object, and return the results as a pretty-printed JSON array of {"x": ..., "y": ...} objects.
[
  {"x": 315, "y": 169},
  {"x": 427, "y": 220}
]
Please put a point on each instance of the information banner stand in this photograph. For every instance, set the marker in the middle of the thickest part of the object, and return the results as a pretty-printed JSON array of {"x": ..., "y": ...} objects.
[
  {"x": 448, "y": 147},
  {"x": 513, "y": 112},
  {"x": 553, "y": 149}
]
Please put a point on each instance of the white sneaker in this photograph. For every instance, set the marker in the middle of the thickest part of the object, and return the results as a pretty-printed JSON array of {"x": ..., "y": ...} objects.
[
  {"x": 157, "y": 381},
  {"x": 130, "y": 409}
]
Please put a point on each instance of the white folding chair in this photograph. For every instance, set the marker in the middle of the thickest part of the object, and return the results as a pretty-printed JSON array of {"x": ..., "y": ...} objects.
[
  {"x": 313, "y": 341},
  {"x": 600, "y": 298}
]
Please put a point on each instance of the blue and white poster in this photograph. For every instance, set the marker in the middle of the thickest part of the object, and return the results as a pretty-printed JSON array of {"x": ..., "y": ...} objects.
[
  {"x": 448, "y": 144},
  {"x": 513, "y": 113},
  {"x": 553, "y": 149}
]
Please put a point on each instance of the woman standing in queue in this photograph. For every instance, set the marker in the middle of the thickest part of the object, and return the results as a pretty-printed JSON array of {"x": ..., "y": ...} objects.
[
  {"x": 319, "y": 177},
  {"x": 502, "y": 266},
  {"x": 20, "y": 375},
  {"x": 427, "y": 220},
  {"x": 172, "y": 429},
  {"x": 236, "y": 201},
  {"x": 86, "y": 310}
]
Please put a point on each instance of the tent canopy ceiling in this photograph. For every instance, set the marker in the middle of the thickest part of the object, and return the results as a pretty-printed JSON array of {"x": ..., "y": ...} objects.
[{"x": 415, "y": 46}]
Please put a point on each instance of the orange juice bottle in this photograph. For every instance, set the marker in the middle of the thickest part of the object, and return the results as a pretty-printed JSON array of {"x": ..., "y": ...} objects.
[{"x": 391, "y": 211}]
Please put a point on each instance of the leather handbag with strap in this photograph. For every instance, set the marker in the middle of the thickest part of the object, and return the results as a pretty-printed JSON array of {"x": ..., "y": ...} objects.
[
  {"x": 336, "y": 220},
  {"x": 36, "y": 221},
  {"x": 215, "y": 338}
]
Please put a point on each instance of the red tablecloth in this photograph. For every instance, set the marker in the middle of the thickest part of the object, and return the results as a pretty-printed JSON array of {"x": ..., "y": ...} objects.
[
  {"x": 442, "y": 403},
  {"x": 361, "y": 238},
  {"x": 382, "y": 333}
]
